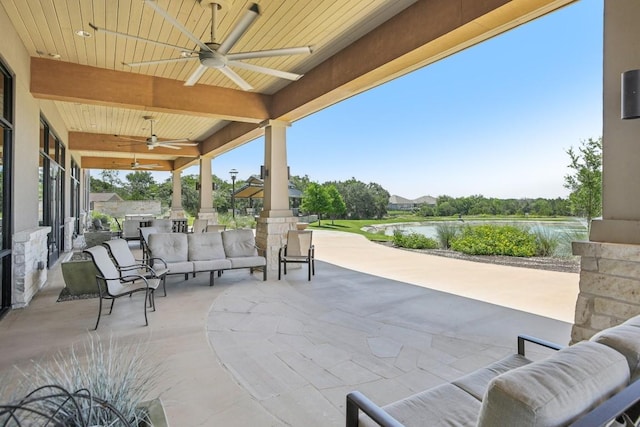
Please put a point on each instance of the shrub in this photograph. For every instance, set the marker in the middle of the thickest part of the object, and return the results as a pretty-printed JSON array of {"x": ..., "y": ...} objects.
[
  {"x": 546, "y": 241},
  {"x": 495, "y": 240},
  {"x": 446, "y": 233},
  {"x": 413, "y": 241}
]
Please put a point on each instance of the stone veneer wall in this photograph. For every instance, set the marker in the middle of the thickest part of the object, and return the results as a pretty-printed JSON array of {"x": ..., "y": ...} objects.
[
  {"x": 271, "y": 233},
  {"x": 120, "y": 208},
  {"x": 29, "y": 264},
  {"x": 609, "y": 286}
]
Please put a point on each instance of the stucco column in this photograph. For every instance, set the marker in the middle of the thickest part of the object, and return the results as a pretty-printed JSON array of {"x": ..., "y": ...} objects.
[
  {"x": 205, "y": 207},
  {"x": 276, "y": 218},
  {"x": 610, "y": 263},
  {"x": 176, "y": 196}
]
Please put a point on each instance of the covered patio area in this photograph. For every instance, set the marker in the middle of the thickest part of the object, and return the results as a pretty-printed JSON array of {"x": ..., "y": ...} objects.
[{"x": 247, "y": 352}]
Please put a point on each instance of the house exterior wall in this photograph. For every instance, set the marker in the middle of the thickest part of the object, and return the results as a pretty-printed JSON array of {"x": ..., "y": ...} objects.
[{"x": 29, "y": 242}]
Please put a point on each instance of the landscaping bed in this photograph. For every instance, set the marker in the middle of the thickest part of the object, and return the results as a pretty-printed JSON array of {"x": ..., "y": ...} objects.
[{"x": 567, "y": 265}]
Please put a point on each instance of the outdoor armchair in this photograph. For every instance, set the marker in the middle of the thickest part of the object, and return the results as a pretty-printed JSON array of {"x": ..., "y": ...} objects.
[
  {"x": 298, "y": 249},
  {"x": 144, "y": 241},
  {"x": 128, "y": 264},
  {"x": 112, "y": 285}
]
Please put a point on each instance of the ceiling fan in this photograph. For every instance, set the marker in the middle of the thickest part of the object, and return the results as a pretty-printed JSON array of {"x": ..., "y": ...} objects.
[
  {"x": 214, "y": 54},
  {"x": 153, "y": 141},
  {"x": 137, "y": 165}
]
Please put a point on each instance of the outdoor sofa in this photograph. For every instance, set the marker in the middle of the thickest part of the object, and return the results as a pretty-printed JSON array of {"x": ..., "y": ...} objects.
[
  {"x": 207, "y": 252},
  {"x": 587, "y": 384}
]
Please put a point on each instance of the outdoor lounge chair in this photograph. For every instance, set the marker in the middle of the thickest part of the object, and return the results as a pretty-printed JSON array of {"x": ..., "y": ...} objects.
[
  {"x": 299, "y": 250},
  {"x": 111, "y": 285},
  {"x": 216, "y": 228},
  {"x": 127, "y": 263},
  {"x": 144, "y": 241}
]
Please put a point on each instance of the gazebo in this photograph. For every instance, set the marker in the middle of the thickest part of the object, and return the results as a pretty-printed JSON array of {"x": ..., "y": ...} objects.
[{"x": 254, "y": 189}]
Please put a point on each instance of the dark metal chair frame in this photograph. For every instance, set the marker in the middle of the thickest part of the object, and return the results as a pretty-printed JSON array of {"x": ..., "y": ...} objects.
[
  {"x": 309, "y": 259},
  {"x": 141, "y": 266},
  {"x": 103, "y": 288}
]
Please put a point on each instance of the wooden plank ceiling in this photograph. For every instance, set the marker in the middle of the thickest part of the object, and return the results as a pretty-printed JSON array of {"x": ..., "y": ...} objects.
[{"x": 104, "y": 103}]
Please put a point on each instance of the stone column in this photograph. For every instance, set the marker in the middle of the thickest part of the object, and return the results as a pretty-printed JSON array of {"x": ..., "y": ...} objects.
[
  {"x": 176, "y": 196},
  {"x": 205, "y": 208},
  {"x": 610, "y": 266},
  {"x": 276, "y": 217},
  {"x": 29, "y": 264}
]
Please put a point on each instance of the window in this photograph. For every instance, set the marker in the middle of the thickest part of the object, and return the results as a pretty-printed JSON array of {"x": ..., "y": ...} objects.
[
  {"x": 6, "y": 147},
  {"x": 52, "y": 175}
]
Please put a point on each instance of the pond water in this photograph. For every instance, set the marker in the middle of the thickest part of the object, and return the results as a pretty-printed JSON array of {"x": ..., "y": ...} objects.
[{"x": 566, "y": 231}]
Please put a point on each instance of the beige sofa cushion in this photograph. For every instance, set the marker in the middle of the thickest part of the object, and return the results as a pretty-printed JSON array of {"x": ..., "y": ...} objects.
[
  {"x": 445, "y": 405},
  {"x": 476, "y": 383},
  {"x": 205, "y": 246},
  {"x": 557, "y": 390},
  {"x": 626, "y": 340},
  {"x": 239, "y": 243},
  {"x": 171, "y": 247}
]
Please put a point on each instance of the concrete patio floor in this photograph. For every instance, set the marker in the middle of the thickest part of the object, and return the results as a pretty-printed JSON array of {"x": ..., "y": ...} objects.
[{"x": 276, "y": 353}]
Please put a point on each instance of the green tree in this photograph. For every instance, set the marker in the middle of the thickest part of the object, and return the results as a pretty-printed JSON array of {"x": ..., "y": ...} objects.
[
  {"x": 112, "y": 178},
  {"x": 315, "y": 199},
  {"x": 141, "y": 185},
  {"x": 585, "y": 180},
  {"x": 336, "y": 203}
]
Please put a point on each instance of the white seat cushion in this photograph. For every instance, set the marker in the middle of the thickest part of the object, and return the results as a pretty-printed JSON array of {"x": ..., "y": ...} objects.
[
  {"x": 180, "y": 267},
  {"x": 214, "y": 264},
  {"x": 557, "y": 390},
  {"x": 171, "y": 247},
  {"x": 205, "y": 246},
  {"x": 625, "y": 339},
  {"x": 248, "y": 261},
  {"x": 445, "y": 405},
  {"x": 239, "y": 243},
  {"x": 476, "y": 383}
]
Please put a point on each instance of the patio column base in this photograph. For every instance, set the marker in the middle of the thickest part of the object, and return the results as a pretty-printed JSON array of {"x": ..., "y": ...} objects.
[
  {"x": 210, "y": 214},
  {"x": 177, "y": 213},
  {"x": 608, "y": 287},
  {"x": 271, "y": 232}
]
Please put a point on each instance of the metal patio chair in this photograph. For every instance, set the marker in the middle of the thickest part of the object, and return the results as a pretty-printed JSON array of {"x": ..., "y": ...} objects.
[
  {"x": 299, "y": 250},
  {"x": 111, "y": 285},
  {"x": 127, "y": 263}
]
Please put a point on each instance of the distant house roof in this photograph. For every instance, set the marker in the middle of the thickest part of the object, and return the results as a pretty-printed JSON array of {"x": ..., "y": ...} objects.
[
  {"x": 401, "y": 203},
  {"x": 104, "y": 197}
]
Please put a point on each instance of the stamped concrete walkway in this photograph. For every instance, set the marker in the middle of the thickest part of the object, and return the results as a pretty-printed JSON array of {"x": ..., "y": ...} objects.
[{"x": 285, "y": 353}]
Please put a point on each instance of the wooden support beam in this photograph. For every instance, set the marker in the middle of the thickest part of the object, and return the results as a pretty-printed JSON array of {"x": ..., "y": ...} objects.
[
  {"x": 123, "y": 164},
  {"x": 64, "y": 81},
  {"x": 84, "y": 141}
]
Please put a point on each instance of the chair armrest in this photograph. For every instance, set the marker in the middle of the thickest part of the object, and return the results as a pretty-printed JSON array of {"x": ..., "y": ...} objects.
[
  {"x": 158, "y": 259},
  {"x": 357, "y": 401},
  {"x": 544, "y": 343}
]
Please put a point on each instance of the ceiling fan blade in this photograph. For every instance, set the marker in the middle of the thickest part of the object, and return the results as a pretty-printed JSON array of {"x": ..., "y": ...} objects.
[
  {"x": 270, "y": 53},
  {"x": 238, "y": 31},
  {"x": 175, "y": 23},
  {"x": 129, "y": 36},
  {"x": 193, "y": 79},
  {"x": 160, "y": 144},
  {"x": 180, "y": 142},
  {"x": 158, "y": 61},
  {"x": 265, "y": 70},
  {"x": 232, "y": 75}
]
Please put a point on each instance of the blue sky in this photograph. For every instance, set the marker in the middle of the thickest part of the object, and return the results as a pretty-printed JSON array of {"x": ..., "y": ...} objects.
[{"x": 495, "y": 119}]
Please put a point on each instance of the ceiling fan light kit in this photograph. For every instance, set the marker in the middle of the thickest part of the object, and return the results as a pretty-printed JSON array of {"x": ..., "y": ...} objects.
[{"x": 214, "y": 55}]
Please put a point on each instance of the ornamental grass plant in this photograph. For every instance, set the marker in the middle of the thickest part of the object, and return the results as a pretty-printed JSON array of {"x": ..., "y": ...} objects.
[{"x": 110, "y": 372}]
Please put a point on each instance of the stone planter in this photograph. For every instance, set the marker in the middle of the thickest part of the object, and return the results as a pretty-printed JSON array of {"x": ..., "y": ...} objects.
[
  {"x": 157, "y": 416},
  {"x": 79, "y": 275}
]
